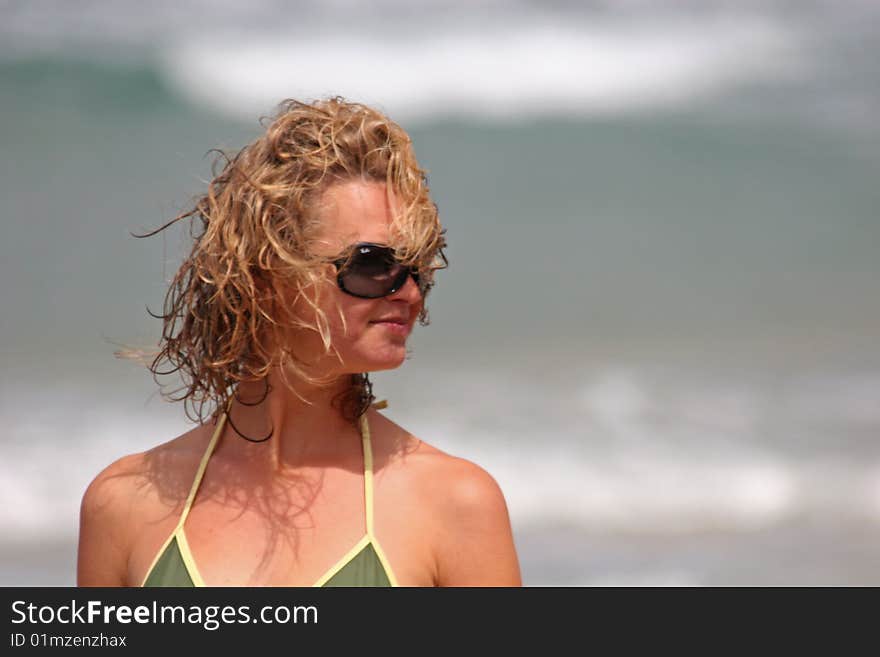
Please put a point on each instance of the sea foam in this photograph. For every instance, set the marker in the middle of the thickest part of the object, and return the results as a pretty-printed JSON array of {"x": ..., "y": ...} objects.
[{"x": 502, "y": 71}]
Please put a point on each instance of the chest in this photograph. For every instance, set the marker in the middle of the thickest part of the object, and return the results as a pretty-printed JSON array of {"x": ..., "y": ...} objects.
[{"x": 302, "y": 531}]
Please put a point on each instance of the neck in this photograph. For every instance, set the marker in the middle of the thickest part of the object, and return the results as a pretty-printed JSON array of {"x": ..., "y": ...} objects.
[{"x": 307, "y": 428}]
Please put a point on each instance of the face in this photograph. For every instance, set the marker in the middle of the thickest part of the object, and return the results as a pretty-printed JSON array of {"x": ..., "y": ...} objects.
[{"x": 373, "y": 334}]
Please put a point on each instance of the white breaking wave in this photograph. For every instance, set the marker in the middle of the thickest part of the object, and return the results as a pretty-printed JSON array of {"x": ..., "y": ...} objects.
[
  {"x": 501, "y": 71},
  {"x": 626, "y": 451},
  {"x": 650, "y": 495},
  {"x": 56, "y": 446}
]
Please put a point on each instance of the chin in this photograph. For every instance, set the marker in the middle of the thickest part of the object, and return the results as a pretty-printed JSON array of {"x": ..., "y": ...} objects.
[
  {"x": 378, "y": 366},
  {"x": 390, "y": 361}
]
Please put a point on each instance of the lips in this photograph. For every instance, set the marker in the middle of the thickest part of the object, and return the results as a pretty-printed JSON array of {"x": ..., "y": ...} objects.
[
  {"x": 396, "y": 325},
  {"x": 391, "y": 320}
]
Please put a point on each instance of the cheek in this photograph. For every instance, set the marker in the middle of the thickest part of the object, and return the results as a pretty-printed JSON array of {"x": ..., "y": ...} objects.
[
  {"x": 361, "y": 347},
  {"x": 343, "y": 320},
  {"x": 348, "y": 318}
]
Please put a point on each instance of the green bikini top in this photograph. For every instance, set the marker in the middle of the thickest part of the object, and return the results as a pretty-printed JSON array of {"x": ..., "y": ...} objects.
[{"x": 365, "y": 564}]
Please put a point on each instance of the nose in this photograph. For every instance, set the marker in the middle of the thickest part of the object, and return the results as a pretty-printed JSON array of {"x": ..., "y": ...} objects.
[{"x": 409, "y": 292}]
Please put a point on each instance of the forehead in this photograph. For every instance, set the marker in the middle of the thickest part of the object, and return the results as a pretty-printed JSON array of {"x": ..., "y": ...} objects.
[{"x": 354, "y": 211}]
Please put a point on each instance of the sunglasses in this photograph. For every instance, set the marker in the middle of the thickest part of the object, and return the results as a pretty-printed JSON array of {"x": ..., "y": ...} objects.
[{"x": 372, "y": 271}]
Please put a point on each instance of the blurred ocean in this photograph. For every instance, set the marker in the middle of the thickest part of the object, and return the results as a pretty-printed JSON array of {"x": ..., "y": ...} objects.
[{"x": 659, "y": 330}]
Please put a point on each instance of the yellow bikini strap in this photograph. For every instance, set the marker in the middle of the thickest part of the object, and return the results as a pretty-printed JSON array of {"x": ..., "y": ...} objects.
[
  {"x": 368, "y": 472},
  {"x": 203, "y": 465},
  {"x": 368, "y": 466}
]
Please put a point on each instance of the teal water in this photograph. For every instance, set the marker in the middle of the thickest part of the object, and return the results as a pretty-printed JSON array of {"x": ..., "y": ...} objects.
[{"x": 665, "y": 226}]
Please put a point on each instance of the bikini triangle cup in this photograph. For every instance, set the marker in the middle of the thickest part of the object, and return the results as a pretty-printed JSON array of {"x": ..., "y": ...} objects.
[{"x": 365, "y": 564}]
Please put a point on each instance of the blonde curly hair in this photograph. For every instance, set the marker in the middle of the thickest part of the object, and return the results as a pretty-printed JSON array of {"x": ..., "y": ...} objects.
[{"x": 226, "y": 305}]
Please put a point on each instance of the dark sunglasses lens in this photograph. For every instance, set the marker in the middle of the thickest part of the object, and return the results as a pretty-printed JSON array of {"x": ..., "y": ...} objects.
[{"x": 372, "y": 273}]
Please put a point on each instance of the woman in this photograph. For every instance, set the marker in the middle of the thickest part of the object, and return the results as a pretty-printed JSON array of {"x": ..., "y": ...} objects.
[{"x": 318, "y": 246}]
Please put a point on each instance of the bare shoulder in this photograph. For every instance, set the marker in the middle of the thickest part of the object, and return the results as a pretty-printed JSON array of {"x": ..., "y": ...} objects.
[
  {"x": 452, "y": 481},
  {"x": 121, "y": 498},
  {"x": 459, "y": 486},
  {"x": 465, "y": 511},
  {"x": 127, "y": 481}
]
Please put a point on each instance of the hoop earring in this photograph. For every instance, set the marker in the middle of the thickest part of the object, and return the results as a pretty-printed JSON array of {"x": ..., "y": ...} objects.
[
  {"x": 244, "y": 403},
  {"x": 266, "y": 391},
  {"x": 248, "y": 438}
]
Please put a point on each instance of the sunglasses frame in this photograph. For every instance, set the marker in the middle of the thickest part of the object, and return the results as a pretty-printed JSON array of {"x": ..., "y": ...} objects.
[{"x": 399, "y": 282}]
